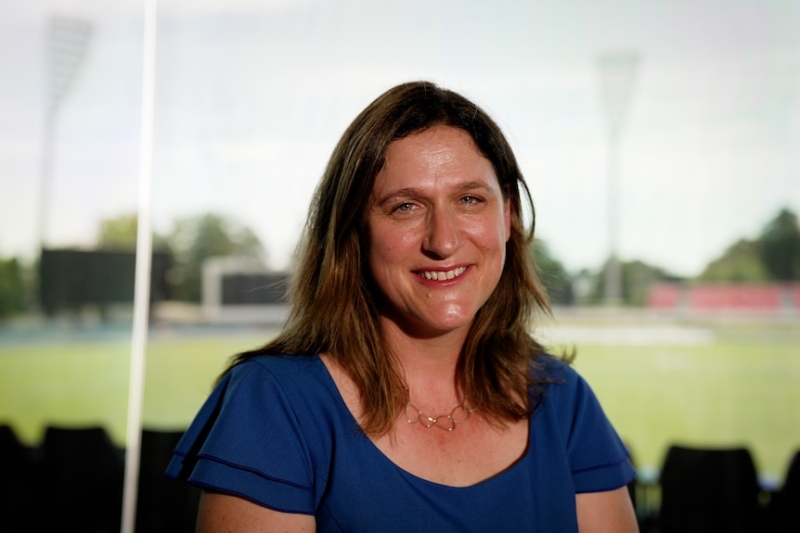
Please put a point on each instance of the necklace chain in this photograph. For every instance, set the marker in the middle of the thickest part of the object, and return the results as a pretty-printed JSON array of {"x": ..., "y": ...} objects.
[{"x": 459, "y": 414}]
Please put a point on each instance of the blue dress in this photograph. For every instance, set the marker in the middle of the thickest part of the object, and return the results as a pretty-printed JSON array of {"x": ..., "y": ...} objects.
[{"x": 276, "y": 431}]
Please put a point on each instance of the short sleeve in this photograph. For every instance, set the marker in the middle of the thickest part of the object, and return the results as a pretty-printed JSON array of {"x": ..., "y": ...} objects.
[
  {"x": 598, "y": 459},
  {"x": 246, "y": 441}
]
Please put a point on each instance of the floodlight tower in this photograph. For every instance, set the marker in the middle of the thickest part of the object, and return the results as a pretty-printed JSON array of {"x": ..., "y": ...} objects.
[
  {"x": 617, "y": 76},
  {"x": 67, "y": 41}
]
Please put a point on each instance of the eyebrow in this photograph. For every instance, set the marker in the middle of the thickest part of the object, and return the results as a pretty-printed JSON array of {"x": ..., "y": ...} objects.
[{"x": 407, "y": 192}]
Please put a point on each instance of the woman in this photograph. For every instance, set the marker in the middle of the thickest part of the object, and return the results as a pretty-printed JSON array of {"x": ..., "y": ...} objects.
[{"x": 405, "y": 393}]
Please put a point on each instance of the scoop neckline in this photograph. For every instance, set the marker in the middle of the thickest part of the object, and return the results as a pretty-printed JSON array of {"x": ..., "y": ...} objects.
[{"x": 342, "y": 406}]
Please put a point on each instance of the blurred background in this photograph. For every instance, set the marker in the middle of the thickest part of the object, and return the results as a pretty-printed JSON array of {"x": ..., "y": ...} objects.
[{"x": 660, "y": 140}]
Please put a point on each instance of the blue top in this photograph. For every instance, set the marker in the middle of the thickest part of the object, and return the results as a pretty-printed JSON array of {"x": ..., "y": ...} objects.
[{"x": 276, "y": 431}]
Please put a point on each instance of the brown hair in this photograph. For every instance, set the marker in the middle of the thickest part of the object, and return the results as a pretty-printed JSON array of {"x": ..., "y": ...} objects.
[{"x": 333, "y": 300}]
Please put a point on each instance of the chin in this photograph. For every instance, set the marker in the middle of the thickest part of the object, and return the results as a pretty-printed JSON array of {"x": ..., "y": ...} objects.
[{"x": 449, "y": 322}]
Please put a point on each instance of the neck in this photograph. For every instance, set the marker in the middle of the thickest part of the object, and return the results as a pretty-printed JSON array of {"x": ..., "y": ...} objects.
[{"x": 427, "y": 364}]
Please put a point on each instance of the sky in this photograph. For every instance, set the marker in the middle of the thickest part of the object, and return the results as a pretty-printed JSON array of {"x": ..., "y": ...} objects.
[{"x": 251, "y": 97}]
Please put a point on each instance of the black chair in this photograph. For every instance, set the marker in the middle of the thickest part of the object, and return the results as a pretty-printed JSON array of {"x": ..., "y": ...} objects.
[
  {"x": 784, "y": 507},
  {"x": 164, "y": 504},
  {"x": 81, "y": 481},
  {"x": 709, "y": 491},
  {"x": 17, "y": 481}
]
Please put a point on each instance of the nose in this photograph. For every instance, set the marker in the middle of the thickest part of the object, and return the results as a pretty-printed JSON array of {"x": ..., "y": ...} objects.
[{"x": 442, "y": 236}]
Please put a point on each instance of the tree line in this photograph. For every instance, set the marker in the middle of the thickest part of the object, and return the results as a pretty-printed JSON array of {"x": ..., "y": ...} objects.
[
  {"x": 191, "y": 241},
  {"x": 773, "y": 256}
]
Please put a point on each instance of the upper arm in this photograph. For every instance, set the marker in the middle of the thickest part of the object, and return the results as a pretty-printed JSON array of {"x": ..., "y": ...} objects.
[
  {"x": 223, "y": 513},
  {"x": 608, "y": 511}
]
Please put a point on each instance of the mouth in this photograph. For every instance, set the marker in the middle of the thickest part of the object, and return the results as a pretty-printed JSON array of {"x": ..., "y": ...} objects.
[{"x": 442, "y": 275}]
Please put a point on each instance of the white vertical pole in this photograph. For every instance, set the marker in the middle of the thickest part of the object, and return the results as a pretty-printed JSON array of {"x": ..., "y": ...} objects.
[
  {"x": 144, "y": 249},
  {"x": 617, "y": 76}
]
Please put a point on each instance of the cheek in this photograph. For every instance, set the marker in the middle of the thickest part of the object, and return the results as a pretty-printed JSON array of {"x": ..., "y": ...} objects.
[
  {"x": 391, "y": 244},
  {"x": 490, "y": 236},
  {"x": 385, "y": 251}
]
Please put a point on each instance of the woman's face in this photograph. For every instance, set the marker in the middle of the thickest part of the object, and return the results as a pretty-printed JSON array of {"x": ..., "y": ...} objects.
[{"x": 438, "y": 224}]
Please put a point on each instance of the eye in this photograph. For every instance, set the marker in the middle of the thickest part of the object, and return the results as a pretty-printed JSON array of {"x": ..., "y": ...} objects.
[
  {"x": 470, "y": 200},
  {"x": 405, "y": 207}
]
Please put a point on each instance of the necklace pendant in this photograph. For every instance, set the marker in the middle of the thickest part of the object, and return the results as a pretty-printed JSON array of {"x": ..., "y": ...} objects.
[
  {"x": 448, "y": 422},
  {"x": 429, "y": 422}
]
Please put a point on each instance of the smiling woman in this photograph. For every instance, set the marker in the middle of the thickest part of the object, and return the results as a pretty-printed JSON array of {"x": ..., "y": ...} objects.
[
  {"x": 405, "y": 392},
  {"x": 438, "y": 224}
]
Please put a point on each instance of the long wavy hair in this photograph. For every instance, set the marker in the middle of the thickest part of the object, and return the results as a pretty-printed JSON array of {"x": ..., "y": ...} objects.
[{"x": 334, "y": 300}]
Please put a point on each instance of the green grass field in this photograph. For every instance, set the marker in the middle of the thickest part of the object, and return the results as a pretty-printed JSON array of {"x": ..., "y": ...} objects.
[{"x": 740, "y": 388}]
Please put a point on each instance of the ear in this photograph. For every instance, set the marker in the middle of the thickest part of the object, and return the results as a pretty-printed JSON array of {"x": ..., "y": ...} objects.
[{"x": 507, "y": 218}]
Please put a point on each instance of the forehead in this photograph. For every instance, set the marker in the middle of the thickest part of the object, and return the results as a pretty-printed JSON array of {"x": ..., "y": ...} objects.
[{"x": 432, "y": 155}]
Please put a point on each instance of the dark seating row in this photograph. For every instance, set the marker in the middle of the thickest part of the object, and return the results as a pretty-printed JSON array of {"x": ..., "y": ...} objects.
[
  {"x": 713, "y": 490},
  {"x": 73, "y": 482}
]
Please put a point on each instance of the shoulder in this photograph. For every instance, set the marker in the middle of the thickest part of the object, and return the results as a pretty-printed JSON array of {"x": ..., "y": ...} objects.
[
  {"x": 561, "y": 388},
  {"x": 265, "y": 433},
  {"x": 296, "y": 386},
  {"x": 265, "y": 392},
  {"x": 288, "y": 371},
  {"x": 554, "y": 375},
  {"x": 565, "y": 398},
  {"x": 264, "y": 396},
  {"x": 277, "y": 364},
  {"x": 568, "y": 412}
]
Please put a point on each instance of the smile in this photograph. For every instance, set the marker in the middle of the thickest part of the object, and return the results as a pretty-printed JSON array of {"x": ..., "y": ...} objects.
[{"x": 443, "y": 275}]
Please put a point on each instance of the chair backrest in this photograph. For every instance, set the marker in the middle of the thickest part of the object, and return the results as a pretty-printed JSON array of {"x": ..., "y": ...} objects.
[
  {"x": 792, "y": 482},
  {"x": 708, "y": 490},
  {"x": 17, "y": 481},
  {"x": 81, "y": 483},
  {"x": 784, "y": 507},
  {"x": 163, "y": 504}
]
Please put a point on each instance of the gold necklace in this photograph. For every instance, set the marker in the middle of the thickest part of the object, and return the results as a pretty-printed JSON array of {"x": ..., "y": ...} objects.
[{"x": 459, "y": 414}]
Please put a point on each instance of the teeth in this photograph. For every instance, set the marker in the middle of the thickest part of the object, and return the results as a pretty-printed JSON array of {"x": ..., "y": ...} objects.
[{"x": 442, "y": 276}]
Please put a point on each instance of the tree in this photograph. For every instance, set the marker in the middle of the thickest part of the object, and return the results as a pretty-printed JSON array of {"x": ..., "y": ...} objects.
[
  {"x": 779, "y": 247},
  {"x": 191, "y": 242},
  {"x": 740, "y": 263},
  {"x": 120, "y": 233},
  {"x": 637, "y": 277},
  {"x": 554, "y": 276},
  {"x": 773, "y": 256},
  {"x": 198, "y": 238},
  {"x": 13, "y": 289}
]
